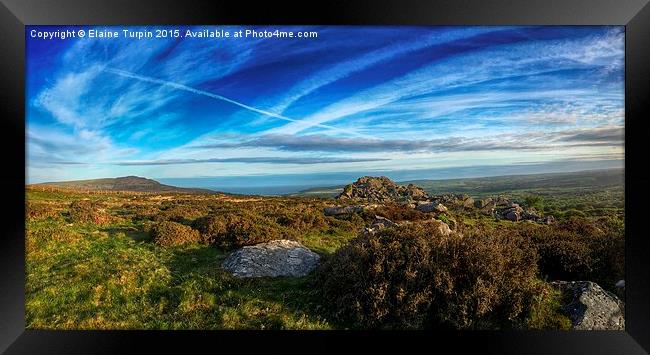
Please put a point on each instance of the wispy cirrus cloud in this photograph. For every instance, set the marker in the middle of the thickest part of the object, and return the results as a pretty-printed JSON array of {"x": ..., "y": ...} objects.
[
  {"x": 597, "y": 136},
  {"x": 474, "y": 70},
  {"x": 255, "y": 160},
  {"x": 356, "y": 97}
]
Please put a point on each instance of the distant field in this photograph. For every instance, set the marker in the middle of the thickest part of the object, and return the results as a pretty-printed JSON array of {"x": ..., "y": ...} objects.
[{"x": 596, "y": 192}]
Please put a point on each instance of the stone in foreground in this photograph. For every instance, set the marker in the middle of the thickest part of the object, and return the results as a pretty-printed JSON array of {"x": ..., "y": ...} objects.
[
  {"x": 590, "y": 307},
  {"x": 275, "y": 258}
]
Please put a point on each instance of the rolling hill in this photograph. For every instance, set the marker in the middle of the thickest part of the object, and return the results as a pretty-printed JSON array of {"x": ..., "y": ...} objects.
[{"x": 126, "y": 183}]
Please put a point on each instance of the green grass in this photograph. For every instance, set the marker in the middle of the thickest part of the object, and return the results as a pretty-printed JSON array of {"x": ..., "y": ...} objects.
[
  {"x": 80, "y": 278},
  {"x": 326, "y": 243}
]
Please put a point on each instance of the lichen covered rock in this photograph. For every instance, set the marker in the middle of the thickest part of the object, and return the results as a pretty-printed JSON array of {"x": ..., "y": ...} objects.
[
  {"x": 590, "y": 307},
  {"x": 275, "y": 258}
]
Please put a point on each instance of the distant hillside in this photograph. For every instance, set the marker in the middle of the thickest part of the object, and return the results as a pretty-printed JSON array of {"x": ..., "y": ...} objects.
[
  {"x": 499, "y": 184},
  {"x": 126, "y": 183},
  {"x": 478, "y": 187}
]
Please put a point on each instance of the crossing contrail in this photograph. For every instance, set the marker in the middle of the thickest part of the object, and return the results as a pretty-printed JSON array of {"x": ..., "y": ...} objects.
[{"x": 178, "y": 86}]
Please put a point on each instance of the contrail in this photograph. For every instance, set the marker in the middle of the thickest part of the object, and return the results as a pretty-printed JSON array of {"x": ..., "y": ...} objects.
[{"x": 218, "y": 97}]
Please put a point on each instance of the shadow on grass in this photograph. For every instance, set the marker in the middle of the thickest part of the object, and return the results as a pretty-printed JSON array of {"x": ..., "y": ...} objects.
[
  {"x": 253, "y": 303},
  {"x": 135, "y": 232},
  {"x": 201, "y": 295}
]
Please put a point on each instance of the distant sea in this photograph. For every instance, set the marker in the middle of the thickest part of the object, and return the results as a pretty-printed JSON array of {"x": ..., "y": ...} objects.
[{"x": 282, "y": 184}]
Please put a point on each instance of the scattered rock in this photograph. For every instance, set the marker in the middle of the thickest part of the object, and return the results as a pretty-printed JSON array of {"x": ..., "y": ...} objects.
[
  {"x": 483, "y": 203},
  {"x": 382, "y": 222},
  {"x": 468, "y": 202},
  {"x": 512, "y": 215},
  {"x": 341, "y": 210},
  {"x": 275, "y": 258},
  {"x": 501, "y": 201},
  {"x": 489, "y": 208},
  {"x": 431, "y": 207},
  {"x": 590, "y": 307},
  {"x": 382, "y": 189},
  {"x": 442, "y": 227},
  {"x": 546, "y": 220},
  {"x": 379, "y": 223},
  {"x": 456, "y": 200}
]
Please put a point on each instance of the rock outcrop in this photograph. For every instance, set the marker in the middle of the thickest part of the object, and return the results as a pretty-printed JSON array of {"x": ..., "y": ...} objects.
[
  {"x": 590, "y": 307},
  {"x": 382, "y": 222},
  {"x": 275, "y": 258},
  {"x": 382, "y": 189},
  {"x": 456, "y": 200},
  {"x": 343, "y": 210},
  {"x": 378, "y": 224},
  {"x": 431, "y": 207},
  {"x": 502, "y": 208}
]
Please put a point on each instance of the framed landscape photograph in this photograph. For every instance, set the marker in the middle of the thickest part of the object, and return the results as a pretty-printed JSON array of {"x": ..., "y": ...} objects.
[{"x": 396, "y": 172}]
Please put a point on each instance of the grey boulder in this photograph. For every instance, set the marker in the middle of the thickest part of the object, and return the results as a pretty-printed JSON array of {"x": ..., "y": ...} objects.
[
  {"x": 590, "y": 307},
  {"x": 275, "y": 258},
  {"x": 431, "y": 207}
]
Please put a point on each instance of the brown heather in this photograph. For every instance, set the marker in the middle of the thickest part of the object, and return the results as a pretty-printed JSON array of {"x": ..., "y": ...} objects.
[
  {"x": 412, "y": 277},
  {"x": 172, "y": 234},
  {"x": 85, "y": 211}
]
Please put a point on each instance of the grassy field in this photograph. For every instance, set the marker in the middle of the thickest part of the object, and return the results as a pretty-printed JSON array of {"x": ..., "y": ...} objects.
[
  {"x": 88, "y": 276},
  {"x": 97, "y": 267}
]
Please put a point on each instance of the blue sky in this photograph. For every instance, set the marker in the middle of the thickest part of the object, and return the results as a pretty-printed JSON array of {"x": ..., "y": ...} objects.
[{"x": 353, "y": 99}]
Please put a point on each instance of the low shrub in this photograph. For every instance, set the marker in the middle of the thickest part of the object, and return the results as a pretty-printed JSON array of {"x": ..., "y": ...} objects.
[
  {"x": 139, "y": 211},
  {"x": 169, "y": 234},
  {"x": 53, "y": 232},
  {"x": 414, "y": 277},
  {"x": 181, "y": 213},
  {"x": 38, "y": 211},
  {"x": 580, "y": 249},
  {"x": 85, "y": 211},
  {"x": 305, "y": 219},
  {"x": 534, "y": 201},
  {"x": 237, "y": 229}
]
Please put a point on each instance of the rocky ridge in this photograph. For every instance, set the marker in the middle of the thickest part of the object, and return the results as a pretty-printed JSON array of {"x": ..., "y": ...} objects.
[
  {"x": 369, "y": 191},
  {"x": 382, "y": 189}
]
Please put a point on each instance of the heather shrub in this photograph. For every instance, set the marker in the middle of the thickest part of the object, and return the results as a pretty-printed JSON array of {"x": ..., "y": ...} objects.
[
  {"x": 237, "y": 229},
  {"x": 139, "y": 211},
  {"x": 39, "y": 211},
  {"x": 301, "y": 219},
  {"x": 414, "y": 277},
  {"x": 181, "y": 213},
  {"x": 85, "y": 211},
  {"x": 212, "y": 229},
  {"x": 169, "y": 234},
  {"x": 581, "y": 249},
  {"x": 36, "y": 238}
]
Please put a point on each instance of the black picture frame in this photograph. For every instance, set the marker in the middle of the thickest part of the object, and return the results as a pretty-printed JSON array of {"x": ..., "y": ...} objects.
[{"x": 633, "y": 14}]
